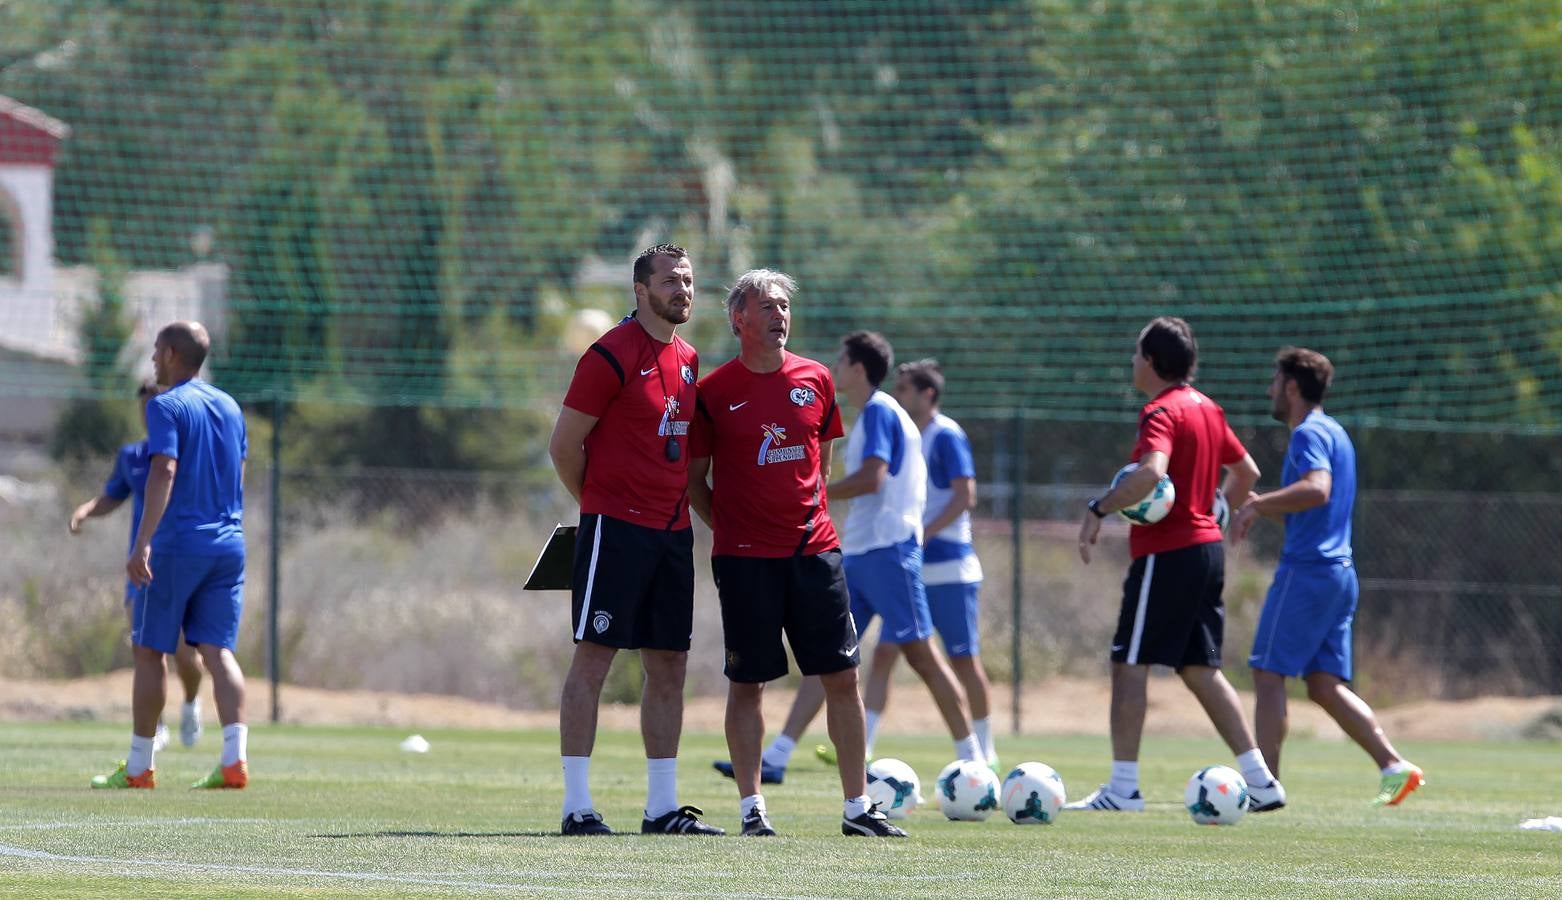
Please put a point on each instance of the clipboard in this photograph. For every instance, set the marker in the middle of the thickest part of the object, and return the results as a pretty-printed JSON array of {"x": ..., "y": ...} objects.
[{"x": 555, "y": 566}]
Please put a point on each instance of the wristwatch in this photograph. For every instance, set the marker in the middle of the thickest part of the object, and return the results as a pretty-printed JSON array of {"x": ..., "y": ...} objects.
[{"x": 1095, "y": 507}]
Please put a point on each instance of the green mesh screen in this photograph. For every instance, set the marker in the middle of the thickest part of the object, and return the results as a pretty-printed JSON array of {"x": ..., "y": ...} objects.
[{"x": 408, "y": 199}]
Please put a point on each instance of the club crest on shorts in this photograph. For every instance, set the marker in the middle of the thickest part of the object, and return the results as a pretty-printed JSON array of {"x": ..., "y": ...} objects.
[
  {"x": 601, "y": 622},
  {"x": 802, "y": 396}
]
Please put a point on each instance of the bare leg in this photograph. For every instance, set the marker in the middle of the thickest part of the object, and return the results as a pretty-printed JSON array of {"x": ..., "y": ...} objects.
[
  {"x": 972, "y": 677},
  {"x": 1270, "y": 718},
  {"x": 745, "y": 734},
  {"x": 661, "y": 701},
  {"x": 934, "y": 671},
  {"x": 188, "y": 664},
  {"x": 1130, "y": 687},
  {"x": 227, "y": 683},
  {"x": 1220, "y": 703},
  {"x": 875, "y": 694},
  {"x": 148, "y": 690},
  {"x": 582, "y": 691},
  {"x": 1354, "y": 716},
  {"x": 847, "y": 730},
  {"x": 806, "y": 705}
]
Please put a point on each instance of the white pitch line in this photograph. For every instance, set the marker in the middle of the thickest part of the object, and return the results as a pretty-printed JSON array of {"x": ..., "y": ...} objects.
[
  {"x": 147, "y": 868},
  {"x": 139, "y": 823}
]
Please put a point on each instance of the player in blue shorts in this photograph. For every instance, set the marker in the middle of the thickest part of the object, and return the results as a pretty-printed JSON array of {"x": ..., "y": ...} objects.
[
  {"x": 128, "y": 482},
  {"x": 881, "y": 540},
  {"x": 188, "y": 554},
  {"x": 1305, "y": 628},
  {"x": 951, "y": 572}
]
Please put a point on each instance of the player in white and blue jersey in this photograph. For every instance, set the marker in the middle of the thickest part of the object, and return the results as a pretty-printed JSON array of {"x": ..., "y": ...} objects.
[
  {"x": 1305, "y": 628},
  {"x": 951, "y": 572},
  {"x": 881, "y": 540},
  {"x": 128, "y": 482}
]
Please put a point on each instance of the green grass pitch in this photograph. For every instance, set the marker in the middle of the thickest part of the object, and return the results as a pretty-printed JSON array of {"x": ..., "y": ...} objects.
[{"x": 334, "y": 812}]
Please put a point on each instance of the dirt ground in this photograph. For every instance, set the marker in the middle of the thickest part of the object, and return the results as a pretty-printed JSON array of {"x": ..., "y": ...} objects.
[{"x": 1060, "y": 706}]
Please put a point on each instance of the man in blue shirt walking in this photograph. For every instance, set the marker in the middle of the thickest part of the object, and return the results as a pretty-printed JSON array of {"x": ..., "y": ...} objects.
[
  {"x": 1305, "y": 628},
  {"x": 189, "y": 554},
  {"x": 128, "y": 482}
]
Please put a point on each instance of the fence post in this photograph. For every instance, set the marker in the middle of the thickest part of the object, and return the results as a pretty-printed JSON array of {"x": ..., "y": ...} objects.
[
  {"x": 1017, "y": 559},
  {"x": 274, "y": 625}
]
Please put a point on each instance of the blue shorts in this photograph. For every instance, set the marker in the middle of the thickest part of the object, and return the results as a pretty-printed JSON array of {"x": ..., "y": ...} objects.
[
  {"x": 201, "y": 595},
  {"x": 1306, "y": 623},
  {"x": 133, "y": 591},
  {"x": 955, "y": 608},
  {"x": 887, "y": 582}
]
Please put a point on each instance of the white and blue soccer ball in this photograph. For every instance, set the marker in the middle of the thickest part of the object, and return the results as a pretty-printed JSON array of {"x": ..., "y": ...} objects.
[
  {"x": 1154, "y": 506},
  {"x": 1033, "y": 794},
  {"x": 894, "y": 786},
  {"x": 967, "y": 791},
  {"x": 1221, "y": 511},
  {"x": 1216, "y": 795}
]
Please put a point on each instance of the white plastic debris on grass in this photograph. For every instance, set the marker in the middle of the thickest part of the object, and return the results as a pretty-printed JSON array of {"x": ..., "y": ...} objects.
[
  {"x": 417, "y": 743},
  {"x": 1549, "y": 823}
]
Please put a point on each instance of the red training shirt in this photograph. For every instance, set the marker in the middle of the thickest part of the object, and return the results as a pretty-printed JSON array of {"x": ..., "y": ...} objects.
[
  {"x": 763, "y": 434},
  {"x": 1191, "y": 430},
  {"x": 641, "y": 391}
]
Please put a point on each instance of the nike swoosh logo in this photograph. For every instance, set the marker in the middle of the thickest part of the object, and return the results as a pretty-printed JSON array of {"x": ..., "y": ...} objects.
[
  {"x": 849, "y": 650},
  {"x": 647, "y": 371},
  {"x": 733, "y": 406}
]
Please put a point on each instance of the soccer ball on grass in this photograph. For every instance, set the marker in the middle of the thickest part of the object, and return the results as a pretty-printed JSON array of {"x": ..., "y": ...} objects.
[
  {"x": 1033, "y": 794},
  {"x": 894, "y": 786},
  {"x": 1216, "y": 795},
  {"x": 967, "y": 791}
]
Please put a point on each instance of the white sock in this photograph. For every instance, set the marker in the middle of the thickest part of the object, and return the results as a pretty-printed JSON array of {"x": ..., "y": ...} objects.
[
  {"x": 752, "y": 802},
  {"x": 871, "y": 716},
  {"x": 577, "y": 784},
  {"x": 983, "y": 729},
  {"x": 1125, "y": 777},
  {"x": 779, "y": 753},
  {"x": 191, "y": 709},
  {"x": 970, "y": 748},
  {"x": 661, "y": 778},
  {"x": 1254, "y": 770},
  {"x": 1396, "y": 768},
  {"x": 140, "y": 755},
  {"x": 856, "y": 806},
  {"x": 235, "y": 743}
]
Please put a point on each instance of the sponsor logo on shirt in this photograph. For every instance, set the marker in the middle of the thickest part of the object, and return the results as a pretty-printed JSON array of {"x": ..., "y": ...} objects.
[
  {"x": 669, "y": 425},
  {"x": 771, "y": 451},
  {"x": 802, "y": 396}
]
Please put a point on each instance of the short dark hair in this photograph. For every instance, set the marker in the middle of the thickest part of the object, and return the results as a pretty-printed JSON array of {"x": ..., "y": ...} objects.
[
  {"x": 924, "y": 374},
  {"x": 871, "y": 350},
  {"x": 189, "y": 341},
  {"x": 1168, "y": 342},
  {"x": 647, "y": 259},
  {"x": 1310, "y": 369},
  {"x": 148, "y": 388}
]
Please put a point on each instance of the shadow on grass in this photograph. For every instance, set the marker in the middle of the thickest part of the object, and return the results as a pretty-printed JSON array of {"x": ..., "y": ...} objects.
[{"x": 463, "y": 834}]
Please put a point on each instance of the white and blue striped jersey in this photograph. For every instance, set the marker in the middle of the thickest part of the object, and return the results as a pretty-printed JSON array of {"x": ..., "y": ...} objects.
[
  {"x": 948, "y": 557},
  {"x": 894, "y": 512}
]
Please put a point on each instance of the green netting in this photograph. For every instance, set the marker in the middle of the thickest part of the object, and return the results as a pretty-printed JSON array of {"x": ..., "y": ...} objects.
[{"x": 410, "y": 197}]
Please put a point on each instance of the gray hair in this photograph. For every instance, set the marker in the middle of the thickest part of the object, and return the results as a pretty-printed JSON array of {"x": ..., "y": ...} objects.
[{"x": 756, "y": 281}]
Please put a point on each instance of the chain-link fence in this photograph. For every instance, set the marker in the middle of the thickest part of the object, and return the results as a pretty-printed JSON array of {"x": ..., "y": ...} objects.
[{"x": 409, "y": 580}]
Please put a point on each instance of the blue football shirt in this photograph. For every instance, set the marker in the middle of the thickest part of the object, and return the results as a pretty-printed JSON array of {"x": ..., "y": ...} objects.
[
  {"x": 202, "y": 428},
  {"x": 1323, "y": 533},
  {"x": 128, "y": 481}
]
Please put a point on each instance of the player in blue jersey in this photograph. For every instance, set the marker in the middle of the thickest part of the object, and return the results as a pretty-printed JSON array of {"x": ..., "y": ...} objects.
[
  {"x": 1305, "y": 628},
  {"x": 128, "y": 482},
  {"x": 951, "y": 572},
  {"x": 188, "y": 554}
]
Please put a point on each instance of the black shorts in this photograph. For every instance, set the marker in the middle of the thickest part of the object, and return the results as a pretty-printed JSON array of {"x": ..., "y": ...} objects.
[
  {"x": 633, "y": 587},
  {"x": 1172, "y": 613},
  {"x": 803, "y": 595}
]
